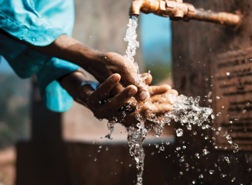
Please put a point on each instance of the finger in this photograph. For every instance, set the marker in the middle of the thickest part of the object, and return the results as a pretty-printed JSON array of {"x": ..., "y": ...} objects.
[
  {"x": 143, "y": 92},
  {"x": 104, "y": 89},
  {"x": 146, "y": 77},
  {"x": 153, "y": 90},
  {"x": 134, "y": 79},
  {"x": 174, "y": 92},
  {"x": 150, "y": 110},
  {"x": 144, "y": 113},
  {"x": 130, "y": 120},
  {"x": 117, "y": 89},
  {"x": 164, "y": 98},
  {"x": 122, "y": 98},
  {"x": 131, "y": 77},
  {"x": 162, "y": 108}
]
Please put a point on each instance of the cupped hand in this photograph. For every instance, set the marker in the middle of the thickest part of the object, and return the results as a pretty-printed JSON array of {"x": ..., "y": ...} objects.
[
  {"x": 101, "y": 105},
  {"x": 110, "y": 63},
  {"x": 161, "y": 101}
]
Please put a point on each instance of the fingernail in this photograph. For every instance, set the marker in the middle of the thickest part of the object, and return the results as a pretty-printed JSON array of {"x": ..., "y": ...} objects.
[
  {"x": 131, "y": 92},
  {"x": 143, "y": 95},
  {"x": 115, "y": 77}
]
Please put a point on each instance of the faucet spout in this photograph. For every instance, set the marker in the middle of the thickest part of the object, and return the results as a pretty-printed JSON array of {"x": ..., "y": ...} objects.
[{"x": 147, "y": 6}]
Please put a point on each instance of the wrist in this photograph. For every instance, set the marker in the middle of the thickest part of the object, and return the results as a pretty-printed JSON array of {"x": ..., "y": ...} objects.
[{"x": 86, "y": 89}]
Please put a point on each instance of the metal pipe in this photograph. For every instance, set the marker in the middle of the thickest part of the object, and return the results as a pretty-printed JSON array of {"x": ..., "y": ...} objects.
[{"x": 217, "y": 17}]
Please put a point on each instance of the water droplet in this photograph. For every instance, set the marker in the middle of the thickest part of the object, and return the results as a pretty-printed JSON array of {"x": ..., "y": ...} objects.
[
  {"x": 193, "y": 182},
  {"x": 233, "y": 179},
  {"x": 218, "y": 114},
  {"x": 162, "y": 148},
  {"x": 206, "y": 137},
  {"x": 205, "y": 152},
  {"x": 167, "y": 143},
  {"x": 211, "y": 172},
  {"x": 223, "y": 175},
  {"x": 217, "y": 97},
  {"x": 197, "y": 155},
  {"x": 182, "y": 159},
  {"x": 129, "y": 165},
  {"x": 95, "y": 159},
  {"x": 106, "y": 148},
  {"x": 179, "y": 132},
  {"x": 189, "y": 127},
  {"x": 201, "y": 176},
  {"x": 227, "y": 159},
  {"x": 244, "y": 111},
  {"x": 227, "y": 73},
  {"x": 180, "y": 173}
]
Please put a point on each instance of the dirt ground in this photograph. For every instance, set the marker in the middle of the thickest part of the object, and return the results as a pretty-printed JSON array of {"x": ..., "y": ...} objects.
[{"x": 7, "y": 166}]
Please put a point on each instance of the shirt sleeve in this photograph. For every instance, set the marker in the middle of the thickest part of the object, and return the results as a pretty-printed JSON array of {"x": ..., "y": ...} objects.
[
  {"x": 53, "y": 95},
  {"x": 38, "y": 22},
  {"x": 20, "y": 19}
]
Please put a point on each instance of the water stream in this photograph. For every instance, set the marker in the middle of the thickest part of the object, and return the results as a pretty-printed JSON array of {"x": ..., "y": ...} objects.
[{"x": 186, "y": 112}]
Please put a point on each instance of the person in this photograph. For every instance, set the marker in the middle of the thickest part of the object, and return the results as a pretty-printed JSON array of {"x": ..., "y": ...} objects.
[{"x": 35, "y": 38}]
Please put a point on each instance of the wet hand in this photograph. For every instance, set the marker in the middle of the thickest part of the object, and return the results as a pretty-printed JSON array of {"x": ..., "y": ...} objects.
[
  {"x": 102, "y": 106},
  {"x": 160, "y": 102},
  {"x": 110, "y": 63}
]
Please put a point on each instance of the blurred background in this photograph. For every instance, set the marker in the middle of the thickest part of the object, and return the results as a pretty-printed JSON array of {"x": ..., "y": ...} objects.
[
  {"x": 41, "y": 147},
  {"x": 101, "y": 25}
]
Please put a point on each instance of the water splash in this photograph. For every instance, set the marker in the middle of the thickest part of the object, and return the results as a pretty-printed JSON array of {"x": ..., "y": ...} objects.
[{"x": 186, "y": 111}]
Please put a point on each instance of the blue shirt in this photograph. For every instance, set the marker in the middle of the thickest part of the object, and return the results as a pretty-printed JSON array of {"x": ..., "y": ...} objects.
[{"x": 38, "y": 22}]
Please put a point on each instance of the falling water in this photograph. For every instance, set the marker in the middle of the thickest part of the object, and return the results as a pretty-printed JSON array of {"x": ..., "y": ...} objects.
[{"x": 186, "y": 111}]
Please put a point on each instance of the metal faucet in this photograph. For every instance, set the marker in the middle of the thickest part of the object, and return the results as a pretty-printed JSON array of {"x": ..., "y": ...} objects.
[{"x": 176, "y": 9}]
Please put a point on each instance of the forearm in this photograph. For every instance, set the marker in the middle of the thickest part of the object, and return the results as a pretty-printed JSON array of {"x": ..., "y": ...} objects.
[{"x": 68, "y": 48}]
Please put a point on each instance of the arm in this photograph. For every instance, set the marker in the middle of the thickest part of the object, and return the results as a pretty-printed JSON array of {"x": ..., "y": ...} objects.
[{"x": 100, "y": 64}]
